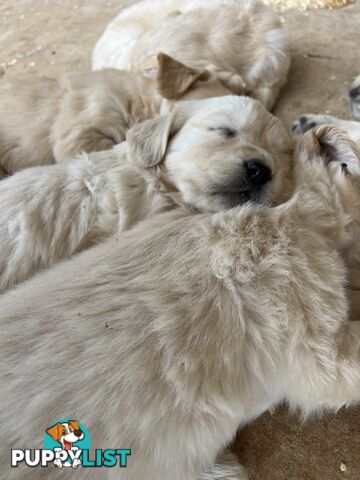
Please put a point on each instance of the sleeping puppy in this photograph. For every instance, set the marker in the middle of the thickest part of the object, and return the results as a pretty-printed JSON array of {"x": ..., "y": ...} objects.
[
  {"x": 242, "y": 43},
  {"x": 206, "y": 155},
  {"x": 46, "y": 120},
  {"x": 307, "y": 121},
  {"x": 187, "y": 327}
]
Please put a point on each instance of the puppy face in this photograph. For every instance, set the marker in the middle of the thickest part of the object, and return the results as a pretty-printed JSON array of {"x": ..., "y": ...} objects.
[
  {"x": 354, "y": 97},
  {"x": 219, "y": 153},
  {"x": 229, "y": 152}
]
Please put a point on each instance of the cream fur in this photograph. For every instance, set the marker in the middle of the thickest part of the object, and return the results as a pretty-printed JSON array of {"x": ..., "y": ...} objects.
[
  {"x": 49, "y": 213},
  {"x": 346, "y": 175},
  {"x": 51, "y": 120},
  {"x": 46, "y": 120},
  {"x": 345, "y": 172},
  {"x": 240, "y": 37},
  {"x": 185, "y": 328}
]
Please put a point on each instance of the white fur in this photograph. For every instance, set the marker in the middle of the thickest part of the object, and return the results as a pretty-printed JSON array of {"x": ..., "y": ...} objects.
[
  {"x": 185, "y": 328},
  {"x": 51, "y": 212},
  {"x": 238, "y": 36}
]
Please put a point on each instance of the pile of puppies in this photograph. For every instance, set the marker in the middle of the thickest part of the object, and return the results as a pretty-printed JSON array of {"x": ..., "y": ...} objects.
[{"x": 217, "y": 255}]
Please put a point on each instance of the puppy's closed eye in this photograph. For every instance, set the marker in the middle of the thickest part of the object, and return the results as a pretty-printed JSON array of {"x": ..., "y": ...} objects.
[{"x": 226, "y": 132}]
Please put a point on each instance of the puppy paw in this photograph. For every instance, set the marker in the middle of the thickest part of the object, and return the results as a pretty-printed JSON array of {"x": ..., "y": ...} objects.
[{"x": 307, "y": 122}]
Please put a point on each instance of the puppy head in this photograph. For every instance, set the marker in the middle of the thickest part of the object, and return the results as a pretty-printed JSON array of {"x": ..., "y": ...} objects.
[
  {"x": 217, "y": 153},
  {"x": 177, "y": 81},
  {"x": 341, "y": 157},
  {"x": 354, "y": 97}
]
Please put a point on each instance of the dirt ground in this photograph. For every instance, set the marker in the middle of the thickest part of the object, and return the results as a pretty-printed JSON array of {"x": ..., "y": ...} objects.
[{"x": 52, "y": 36}]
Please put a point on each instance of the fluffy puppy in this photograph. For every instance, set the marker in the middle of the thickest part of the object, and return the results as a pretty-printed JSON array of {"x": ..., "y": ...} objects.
[
  {"x": 346, "y": 176},
  {"x": 241, "y": 43},
  {"x": 46, "y": 120},
  {"x": 307, "y": 121},
  {"x": 208, "y": 155},
  {"x": 170, "y": 353}
]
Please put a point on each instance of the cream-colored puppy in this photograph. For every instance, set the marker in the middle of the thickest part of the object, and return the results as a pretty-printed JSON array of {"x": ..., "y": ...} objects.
[
  {"x": 46, "y": 120},
  {"x": 241, "y": 42},
  {"x": 208, "y": 155},
  {"x": 186, "y": 328},
  {"x": 346, "y": 176},
  {"x": 351, "y": 186}
]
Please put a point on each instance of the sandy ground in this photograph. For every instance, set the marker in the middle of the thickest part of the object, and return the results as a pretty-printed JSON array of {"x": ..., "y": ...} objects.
[{"x": 51, "y": 36}]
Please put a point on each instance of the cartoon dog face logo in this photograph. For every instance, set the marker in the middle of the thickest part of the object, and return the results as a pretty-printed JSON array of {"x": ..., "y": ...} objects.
[{"x": 66, "y": 434}]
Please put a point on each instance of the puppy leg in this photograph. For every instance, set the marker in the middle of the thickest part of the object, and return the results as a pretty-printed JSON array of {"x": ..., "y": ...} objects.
[
  {"x": 76, "y": 139},
  {"x": 308, "y": 121},
  {"x": 333, "y": 384},
  {"x": 226, "y": 467},
  {"x": 47, "y": 214},
  {"x": 267, "y": 95}
]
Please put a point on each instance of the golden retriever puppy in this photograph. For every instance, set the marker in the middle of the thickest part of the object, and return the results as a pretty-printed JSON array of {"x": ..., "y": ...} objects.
[
  {"x": 46, "y": 120},
  {"x": 242, "y": 43},
  {"x": 168, "y": 339},
  {"x": 346, "y": 175},
  {"x": 208, "y": 155}
]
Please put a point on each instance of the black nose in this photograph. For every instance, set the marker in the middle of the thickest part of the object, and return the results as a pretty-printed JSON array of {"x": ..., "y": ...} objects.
[
  {"x": 354, "y": 92},
  {"x": 257, "y": 172}
]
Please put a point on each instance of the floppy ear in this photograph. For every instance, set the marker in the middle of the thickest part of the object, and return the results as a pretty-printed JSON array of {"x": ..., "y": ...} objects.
[
  {"x": 233, "y": 81},
  {"x": 148, "y": 140},
  {"x": 54, "y": 431},
  {"x": 331, "y": 144},
  {"x": 174, "y": 78}
]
